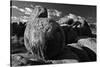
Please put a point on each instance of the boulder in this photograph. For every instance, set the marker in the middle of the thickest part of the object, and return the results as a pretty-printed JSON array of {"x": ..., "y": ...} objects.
[
  {"x": 89, "y": 43},
  {"x": 85, "y": 49},
  {"x": 70, "y": 34},
  {"x": 75, "y": 27},
  {"x": 44, "y": 38},
  {"x": 79, "y": 51}
]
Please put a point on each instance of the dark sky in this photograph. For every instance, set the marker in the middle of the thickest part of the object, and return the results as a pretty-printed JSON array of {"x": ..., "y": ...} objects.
[{"x": 86, "y": 11}]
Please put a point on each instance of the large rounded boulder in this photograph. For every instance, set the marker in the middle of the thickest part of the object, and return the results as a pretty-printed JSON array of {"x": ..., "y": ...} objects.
[{"x": 44, "y": 38}]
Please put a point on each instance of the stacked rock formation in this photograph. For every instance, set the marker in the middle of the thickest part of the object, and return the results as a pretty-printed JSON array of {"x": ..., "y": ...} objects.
[{"x": 43, "y": 37}]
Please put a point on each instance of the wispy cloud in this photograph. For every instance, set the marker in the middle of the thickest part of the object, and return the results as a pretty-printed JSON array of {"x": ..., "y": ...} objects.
[
  {"x": 54, "y": 12},
  {"x": 25, "y": 10},
  {"x": 14, "y": 19},
  {"x": 14, "y": 7},
  {"x": 58, "y": 13},
  {"x": 22, "y": 19},
  {"x": 20, "y": 9},
  {"x": 28, "y": 10}
]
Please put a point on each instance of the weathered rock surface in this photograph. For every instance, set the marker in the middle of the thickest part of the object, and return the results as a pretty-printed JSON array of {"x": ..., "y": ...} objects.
[
  {"x": 85, "y": 49},
  {"x": 75, "y": 27},
  {"x": 26, "y": 59},
  {"x": 89, "y": 43},
  {"x": 70, "y": 34},
  {"x": 44, "y": 37}
]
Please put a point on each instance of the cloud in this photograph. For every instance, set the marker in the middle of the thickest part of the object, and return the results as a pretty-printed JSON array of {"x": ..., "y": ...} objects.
[
  {"x": 32, "y": 5},
  {"x": 58, "y": 13},
  {"x": 22, "y": 19},
  {"x": 14, "y": 19},
  {"x": 20, "y": 9},
  {"x": 28, "y": 11},
  {"x": 14, "y": 7},
  {"x": 25, "y": 10},
  {"x": 54, "y": 12}
]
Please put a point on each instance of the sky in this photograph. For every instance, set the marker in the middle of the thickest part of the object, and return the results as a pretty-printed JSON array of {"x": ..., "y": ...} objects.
[{"x": 87, "y": 11}]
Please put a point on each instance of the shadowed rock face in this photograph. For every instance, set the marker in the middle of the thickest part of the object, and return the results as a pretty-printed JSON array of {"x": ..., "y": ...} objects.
[
  {"x": 83, "y": 50},
  {"x": 74, "y": 27},
  {"x": 70, "y": 34},
  {"x": 44, "y": 14},
  {"x": 82, "y": 54},
  {"x": 82, "y": 29}
]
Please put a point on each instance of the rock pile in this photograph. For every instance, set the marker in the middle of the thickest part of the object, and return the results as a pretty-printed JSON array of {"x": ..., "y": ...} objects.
[{"x": 48, "y": 41}]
